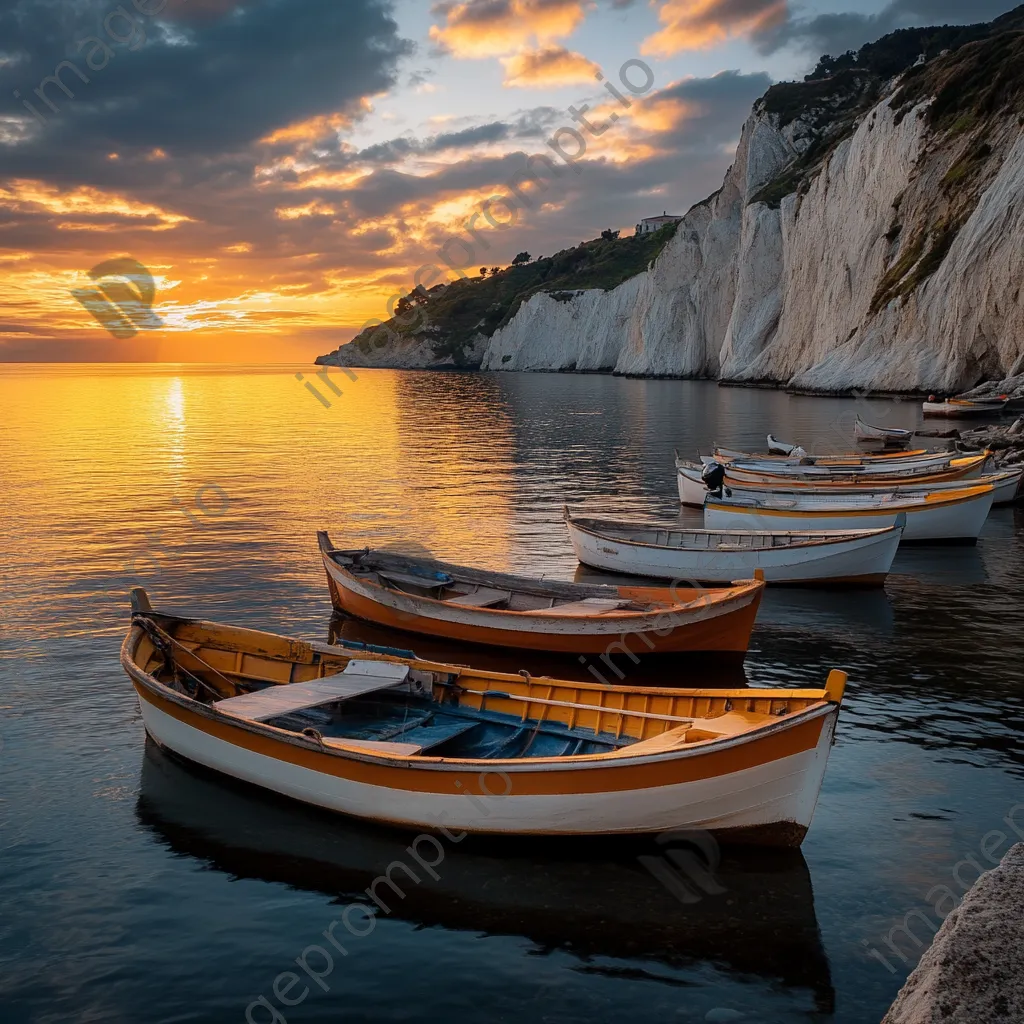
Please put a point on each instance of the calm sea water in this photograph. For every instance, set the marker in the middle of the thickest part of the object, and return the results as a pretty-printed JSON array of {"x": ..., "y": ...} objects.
[{"x": 133, "y": 888}]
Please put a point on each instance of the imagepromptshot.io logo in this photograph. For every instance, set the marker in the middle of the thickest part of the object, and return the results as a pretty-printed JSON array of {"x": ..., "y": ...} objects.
[
  {"x": 686, "y": 864},
  {"x": 122, "y": 301}
]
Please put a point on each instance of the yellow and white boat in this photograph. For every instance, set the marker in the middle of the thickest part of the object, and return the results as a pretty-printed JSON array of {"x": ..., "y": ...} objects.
[{"x": 447, "y": 748}]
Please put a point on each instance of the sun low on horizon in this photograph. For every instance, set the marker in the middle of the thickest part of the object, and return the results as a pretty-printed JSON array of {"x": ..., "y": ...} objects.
[{"x": 281, "y": 174}]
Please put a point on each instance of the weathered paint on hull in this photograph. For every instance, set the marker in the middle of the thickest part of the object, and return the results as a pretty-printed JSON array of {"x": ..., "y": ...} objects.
[
  {"x": 761, "y": 792},
  {"x": 726, "y": 633}
]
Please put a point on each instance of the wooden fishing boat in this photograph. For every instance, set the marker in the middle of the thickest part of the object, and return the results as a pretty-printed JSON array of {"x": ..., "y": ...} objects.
[
  {"x": 441, "y": 747},
  {"x": 693, "y": 491},
  {"x": 857, "y": 557},
  {"x": 889, "y": 435},
  {"x": 946, "y": 466},
  {"x": 964, "y": 407},
  {"x": 420, "y": 595},
  {"x": 935, "y": 517},
  {"x": 1013, "y": 405},
  {"x": 777, "y": 447},
  {"x": 850, "y": 459}
]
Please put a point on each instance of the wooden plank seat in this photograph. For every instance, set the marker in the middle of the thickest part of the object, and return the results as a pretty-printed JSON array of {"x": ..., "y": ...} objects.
[
  {"x": 588, "y": 606},
  {"x": 482, "y": 598},
  {"x": 435, "y": 733},
  {"x": 732, "y": 723},
  {"x": 668, "y": 740},
  {"x": 377, "y": 746},
  {"x": 359, "y": 677},
  {"x": 410, "y": 580}
]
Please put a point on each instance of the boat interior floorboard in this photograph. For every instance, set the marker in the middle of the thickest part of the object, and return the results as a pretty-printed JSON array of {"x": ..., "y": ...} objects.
[{"x": 443, "y": 731}]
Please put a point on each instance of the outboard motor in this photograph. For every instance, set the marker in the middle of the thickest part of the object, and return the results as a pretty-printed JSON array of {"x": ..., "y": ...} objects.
[{"x": 713, "y": 475}]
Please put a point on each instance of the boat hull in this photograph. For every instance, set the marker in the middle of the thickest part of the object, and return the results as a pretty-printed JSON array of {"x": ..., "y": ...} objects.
[
  {"x": 720, "y": 630},
  {"x": 761, "y": 791},
  {"x": 693, "y": 493},
  {"x": 859, "y": 561},
  {"x": 891, "y": 435},
  {"x": 950, "y": 468},
  {"x": 954, "y": 522},
  {"x": 962, "y": 409}
]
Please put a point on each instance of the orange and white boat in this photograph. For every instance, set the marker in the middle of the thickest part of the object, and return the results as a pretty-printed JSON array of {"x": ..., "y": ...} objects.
[
  {"x": 451, "y": 749},
  {"x": 420, "y": 595}
]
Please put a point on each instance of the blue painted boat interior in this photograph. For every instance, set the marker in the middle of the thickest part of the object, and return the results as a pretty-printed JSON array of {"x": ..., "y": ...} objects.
[{"x": 447, "y": 730}]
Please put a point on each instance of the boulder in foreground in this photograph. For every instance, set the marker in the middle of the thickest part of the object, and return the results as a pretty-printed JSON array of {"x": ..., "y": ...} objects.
[{"x": 974, "y": 970}]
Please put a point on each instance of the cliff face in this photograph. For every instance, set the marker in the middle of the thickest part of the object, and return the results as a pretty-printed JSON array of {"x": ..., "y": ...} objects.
[{"x": 869, "y": 235}]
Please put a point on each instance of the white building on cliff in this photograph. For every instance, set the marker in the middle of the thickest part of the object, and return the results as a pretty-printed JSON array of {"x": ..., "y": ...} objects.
[{"x": 649, "y": 224}]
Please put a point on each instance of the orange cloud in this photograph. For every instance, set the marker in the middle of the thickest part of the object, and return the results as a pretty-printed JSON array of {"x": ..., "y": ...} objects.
[
  {"x": 315, "y": 128},
  {"x": 83, "y": 201},
  {"x": 664, "y": 115},
  {"x": 548, "y": 66},
  {"x": 702, "y": 24},
  {"x": 494, "y": 28}
]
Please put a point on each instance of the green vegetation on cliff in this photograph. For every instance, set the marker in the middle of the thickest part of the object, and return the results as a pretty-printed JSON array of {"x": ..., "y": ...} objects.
[
  {"x": 450, "y": 316},
  {"x": 981, "y": 74}
]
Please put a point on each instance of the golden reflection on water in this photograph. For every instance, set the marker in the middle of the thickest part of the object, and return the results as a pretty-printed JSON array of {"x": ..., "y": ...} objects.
[{"x": 173, "y": 476}]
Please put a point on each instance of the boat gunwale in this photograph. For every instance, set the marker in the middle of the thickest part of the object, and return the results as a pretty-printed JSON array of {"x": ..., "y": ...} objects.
[
  {"x": 821, "y": 706},
  {"x": 895, "y": 433}
]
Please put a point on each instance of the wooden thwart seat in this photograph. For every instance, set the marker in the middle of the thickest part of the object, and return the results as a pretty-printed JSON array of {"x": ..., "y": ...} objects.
[
  {"x": 410, "y": 580},
  {"x": 588, "y": 606},
  {"x": 359, "y": 677},
  {"x": 482, "y": 598},
  {"x": 377, "y": 746},
  {"x": 435, "y": 733},
  {"x": 668, "y": 740}
]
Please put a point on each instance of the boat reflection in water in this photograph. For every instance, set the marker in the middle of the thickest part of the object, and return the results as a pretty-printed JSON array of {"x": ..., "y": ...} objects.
[
  {"x": 583, "y": 898},
  {"x": 864, "y": 611},
  {"x": 629, "y": 665}
]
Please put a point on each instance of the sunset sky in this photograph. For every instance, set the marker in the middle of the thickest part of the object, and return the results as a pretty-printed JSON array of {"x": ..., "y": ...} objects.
[{"x": 283, "y": 167}]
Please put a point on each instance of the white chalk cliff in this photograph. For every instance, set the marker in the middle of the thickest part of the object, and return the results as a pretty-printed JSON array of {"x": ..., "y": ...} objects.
[{"x": 894, "y": 263}]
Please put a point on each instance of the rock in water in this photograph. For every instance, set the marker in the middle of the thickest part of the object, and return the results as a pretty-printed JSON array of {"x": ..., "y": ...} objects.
[{"x": 974, "y": 970}]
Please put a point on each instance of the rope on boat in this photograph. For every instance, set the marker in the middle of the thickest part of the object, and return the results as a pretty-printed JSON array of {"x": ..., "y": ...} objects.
[
  {"x": 315, "y": 734},
  {"x": 163, "y": 638}
]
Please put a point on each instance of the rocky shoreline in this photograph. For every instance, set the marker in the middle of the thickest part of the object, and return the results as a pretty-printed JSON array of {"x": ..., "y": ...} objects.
[{"x": 973, "y": 971}]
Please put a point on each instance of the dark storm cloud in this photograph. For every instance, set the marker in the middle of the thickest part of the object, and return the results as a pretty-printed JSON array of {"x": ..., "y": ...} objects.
[
  {"x": 201, "y": 78},
  {"x": 533, "y": 124},
  {"x": 725, "y": 93},
  {"x": 837, "y": 33}
]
